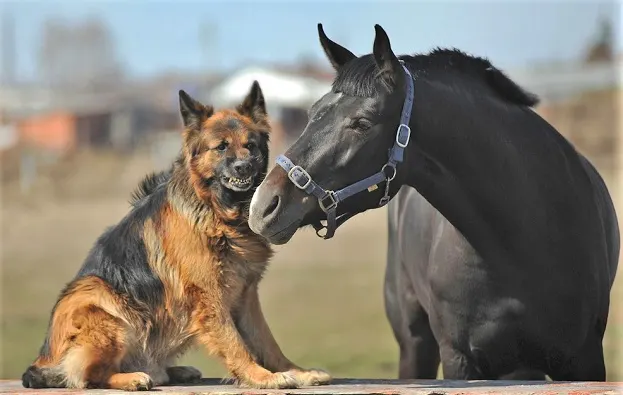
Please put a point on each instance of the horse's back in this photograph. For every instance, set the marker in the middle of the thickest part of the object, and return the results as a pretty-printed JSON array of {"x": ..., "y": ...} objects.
[{"x": 606, "y": 209}]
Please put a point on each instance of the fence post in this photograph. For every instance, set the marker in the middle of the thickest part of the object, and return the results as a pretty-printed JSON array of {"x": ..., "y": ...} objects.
[{"x": 27, "y": 171}]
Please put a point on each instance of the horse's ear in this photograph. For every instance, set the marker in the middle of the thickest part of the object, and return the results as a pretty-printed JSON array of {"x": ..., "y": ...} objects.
[
  {"x": 253, "y": 104},
  {"x": 192, "y": 111},
  {"x": 386, "y": 61},
  {"x": 337, "y": 54}
]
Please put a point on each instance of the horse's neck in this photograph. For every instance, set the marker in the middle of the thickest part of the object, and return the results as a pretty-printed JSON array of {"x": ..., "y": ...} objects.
[{"x": 452, "y": 169}]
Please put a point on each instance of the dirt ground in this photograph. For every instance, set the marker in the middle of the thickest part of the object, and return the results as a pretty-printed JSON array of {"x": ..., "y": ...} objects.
[{"x": 322, "y": 299}]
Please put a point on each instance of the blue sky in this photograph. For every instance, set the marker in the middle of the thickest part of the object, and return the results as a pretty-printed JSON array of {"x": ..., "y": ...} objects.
[{"x": 156, "y": 36}]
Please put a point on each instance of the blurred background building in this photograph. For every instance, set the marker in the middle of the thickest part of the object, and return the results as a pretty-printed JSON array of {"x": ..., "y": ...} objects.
[{"x": 89, "y": 104}]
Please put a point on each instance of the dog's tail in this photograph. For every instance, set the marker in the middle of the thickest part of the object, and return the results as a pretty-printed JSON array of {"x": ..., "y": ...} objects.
[
  {"x": 43, "y": 377},
  {"x": 45, "y": 371}
]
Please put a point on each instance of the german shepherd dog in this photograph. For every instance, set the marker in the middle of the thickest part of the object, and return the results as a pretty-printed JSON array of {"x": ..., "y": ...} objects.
[{"x": 181, "y": 267}]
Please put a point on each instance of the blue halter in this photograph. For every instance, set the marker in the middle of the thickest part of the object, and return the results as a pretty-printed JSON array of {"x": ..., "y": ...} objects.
[{"x": 328, "y": 200}]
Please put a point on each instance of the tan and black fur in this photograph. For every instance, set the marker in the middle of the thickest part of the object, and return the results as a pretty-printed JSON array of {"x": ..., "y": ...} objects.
[{"x": 181, "y": 268}]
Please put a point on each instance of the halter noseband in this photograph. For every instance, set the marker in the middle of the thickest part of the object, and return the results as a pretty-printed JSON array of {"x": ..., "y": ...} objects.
[{"x": 328, "y": 200}]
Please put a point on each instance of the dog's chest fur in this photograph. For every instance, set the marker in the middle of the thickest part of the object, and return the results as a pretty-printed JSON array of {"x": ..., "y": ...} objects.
[{"x": 199, "y": 270}]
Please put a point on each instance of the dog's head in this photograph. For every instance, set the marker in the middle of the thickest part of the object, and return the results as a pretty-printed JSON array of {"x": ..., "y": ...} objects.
[{"x": 226, "y": 152}]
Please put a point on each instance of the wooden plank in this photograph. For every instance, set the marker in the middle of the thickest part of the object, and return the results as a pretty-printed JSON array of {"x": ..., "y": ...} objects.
[{"x": 363, "y": 387}]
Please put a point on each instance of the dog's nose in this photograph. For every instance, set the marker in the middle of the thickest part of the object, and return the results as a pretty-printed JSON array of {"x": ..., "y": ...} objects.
[{"x": 242, "y": 168}]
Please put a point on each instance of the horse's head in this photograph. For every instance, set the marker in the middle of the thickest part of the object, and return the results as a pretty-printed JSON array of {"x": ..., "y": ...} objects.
[{"x": 347, "y": 138}]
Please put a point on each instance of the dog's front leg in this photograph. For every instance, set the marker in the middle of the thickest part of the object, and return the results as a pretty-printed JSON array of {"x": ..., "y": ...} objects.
[
  {"x": 219, "y": 334},
  {"x": 257, "y": 335}
]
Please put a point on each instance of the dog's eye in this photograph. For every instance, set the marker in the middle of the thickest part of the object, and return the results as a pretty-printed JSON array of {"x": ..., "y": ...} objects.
[
  {"x": 250, "y": 145},
  {"x": 222, "y": 146}
]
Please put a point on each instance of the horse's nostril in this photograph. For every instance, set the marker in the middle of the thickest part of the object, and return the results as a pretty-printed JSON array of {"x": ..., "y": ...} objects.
[{"x": 272, "y": 207}]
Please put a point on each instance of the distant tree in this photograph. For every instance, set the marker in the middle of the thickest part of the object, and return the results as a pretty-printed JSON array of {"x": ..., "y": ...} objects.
[
  {"x": 50, "y": 65},
  {"x": 602, "y": 47},
  {"x": 208, "y": 37},
  {"x": 307, "y": 62},
  {"x": 80, "y": 56}
]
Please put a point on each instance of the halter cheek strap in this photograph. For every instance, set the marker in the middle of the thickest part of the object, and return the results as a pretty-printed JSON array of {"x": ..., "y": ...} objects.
[{"x": 328, "y": 200}]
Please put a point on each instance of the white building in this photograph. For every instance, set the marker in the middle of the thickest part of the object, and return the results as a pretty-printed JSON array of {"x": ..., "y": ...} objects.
[
  {"x": 561, "y": 81},
  {"x": 288, "y": 96}
]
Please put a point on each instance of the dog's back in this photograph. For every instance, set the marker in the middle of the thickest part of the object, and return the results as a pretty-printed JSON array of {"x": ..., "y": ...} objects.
[{"x": 116, "y": 283}]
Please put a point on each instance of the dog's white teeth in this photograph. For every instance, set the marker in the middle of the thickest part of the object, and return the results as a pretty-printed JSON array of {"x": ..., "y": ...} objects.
[{"x": 235, "y": 180}]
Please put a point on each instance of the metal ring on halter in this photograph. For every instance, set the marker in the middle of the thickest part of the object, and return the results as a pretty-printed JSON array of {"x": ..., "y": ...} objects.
[
  {"x": 326, "y": 230},
  {"x": 393, "y": 168}
]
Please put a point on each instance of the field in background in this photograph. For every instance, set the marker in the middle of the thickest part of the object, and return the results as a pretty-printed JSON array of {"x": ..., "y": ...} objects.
[{"x": 322, "y": 299}]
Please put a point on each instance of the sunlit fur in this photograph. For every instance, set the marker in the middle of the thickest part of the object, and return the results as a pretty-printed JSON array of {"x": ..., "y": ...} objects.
[{"x": 181, "y": 268}]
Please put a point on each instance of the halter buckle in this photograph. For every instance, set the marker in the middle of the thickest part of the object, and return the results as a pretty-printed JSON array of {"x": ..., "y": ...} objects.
[
  {"x": 333, "y": 204},
  {"x": 400, "y": 137},
  {"x": 295, "y": 181}
]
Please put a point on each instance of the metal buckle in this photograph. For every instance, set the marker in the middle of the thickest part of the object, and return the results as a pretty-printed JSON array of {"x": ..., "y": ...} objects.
[
  {"x": 309, "y": 179},
  {"x": 400, "y": 144},
  {"x": 330, "y": 194}
]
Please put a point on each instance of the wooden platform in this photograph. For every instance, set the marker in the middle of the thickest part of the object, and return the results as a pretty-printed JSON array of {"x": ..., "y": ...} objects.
[{"x": 364, "y": 387}]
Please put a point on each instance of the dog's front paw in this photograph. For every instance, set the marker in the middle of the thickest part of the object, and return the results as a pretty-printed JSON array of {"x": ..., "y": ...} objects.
[
  {"x": 137, "y": 381},
  {"x": 279, "y": 380},
  {"x": 307, "y": 377}
]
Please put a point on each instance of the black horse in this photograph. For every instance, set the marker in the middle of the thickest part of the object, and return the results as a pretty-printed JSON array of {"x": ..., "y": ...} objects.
[{"x": 502, "y": 258}]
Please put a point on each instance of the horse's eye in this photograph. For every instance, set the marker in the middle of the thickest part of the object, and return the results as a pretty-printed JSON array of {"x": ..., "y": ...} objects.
[
  {"x": 361, "y": 124},
  {"x": 222, "y": 146}
]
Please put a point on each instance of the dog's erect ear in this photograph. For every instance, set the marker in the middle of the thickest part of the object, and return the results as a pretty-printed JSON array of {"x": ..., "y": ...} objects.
[
  {"x": 253, "y": 104},
  {"x": 337, "y": 54},
  {"x": 193, "y": 112}
]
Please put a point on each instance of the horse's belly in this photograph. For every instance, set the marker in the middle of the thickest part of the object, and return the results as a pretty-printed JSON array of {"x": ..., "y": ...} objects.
[
  {"x": 467, "y": 298},
  {"x": 488, "y": 306}
]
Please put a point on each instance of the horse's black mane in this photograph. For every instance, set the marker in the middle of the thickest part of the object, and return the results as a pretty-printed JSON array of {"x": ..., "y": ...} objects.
[
  {"x": 149, "y": 185},
  {"x": 359, "y": 77}
]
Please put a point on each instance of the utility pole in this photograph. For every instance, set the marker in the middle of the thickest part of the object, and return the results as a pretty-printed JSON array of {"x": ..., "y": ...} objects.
[
  {"x": 208, "y": 41},
  {"x": 8, "y": 47}
]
